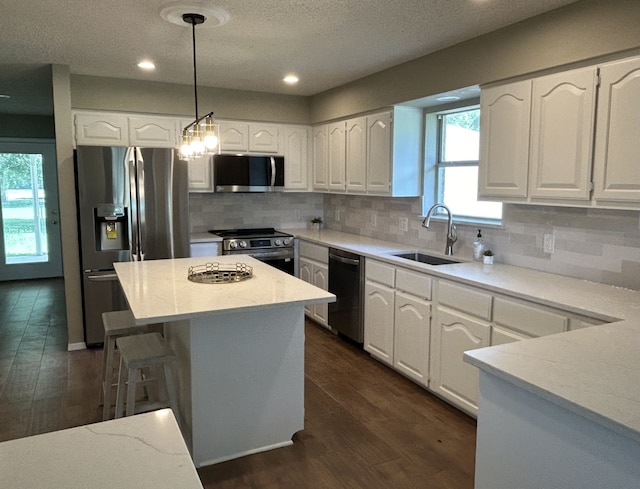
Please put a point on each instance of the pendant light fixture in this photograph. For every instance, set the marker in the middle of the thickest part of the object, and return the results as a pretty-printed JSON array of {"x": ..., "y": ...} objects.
[{"x": 201, "y": 136}]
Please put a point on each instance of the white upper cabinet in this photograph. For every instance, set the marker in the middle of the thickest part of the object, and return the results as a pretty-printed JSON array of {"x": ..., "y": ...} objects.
[
  {"x": 580, "y": 147},
  {"x": 617, "y": 145},
  {"x": 153, "y": 132},
  {"x": 379, "y": 135},
  {"x": 234, "y": 136},
  {"x": 264, "y": 138},
  {"x": 562, "y": 121},
  {"x": 101, "y": 129},
  {"x": 296, "y": 157},
  {"x": 336, "y": 153},
  {"x": 201, "y": 174},
  {"x": 320, "y": 157},
  {"x": 504, "y": 140},
  {"x": 356, "y": 159}
]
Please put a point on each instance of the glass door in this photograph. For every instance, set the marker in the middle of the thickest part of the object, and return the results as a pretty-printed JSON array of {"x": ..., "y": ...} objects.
[{"x": 29, "y": 221}]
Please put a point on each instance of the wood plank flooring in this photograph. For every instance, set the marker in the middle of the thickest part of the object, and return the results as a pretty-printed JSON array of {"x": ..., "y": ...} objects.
[{"x": 365, "y": 425}]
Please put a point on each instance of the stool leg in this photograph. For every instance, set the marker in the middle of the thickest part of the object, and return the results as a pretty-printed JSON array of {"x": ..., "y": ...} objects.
[
  {"x": 131, "y": 391},
  {"x": 107, "y": 377},
  {"x": 122, "y": 379}
]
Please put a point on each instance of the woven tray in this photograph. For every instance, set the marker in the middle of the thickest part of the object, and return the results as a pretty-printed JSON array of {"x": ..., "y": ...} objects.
[{"x": 220, "y": 273}]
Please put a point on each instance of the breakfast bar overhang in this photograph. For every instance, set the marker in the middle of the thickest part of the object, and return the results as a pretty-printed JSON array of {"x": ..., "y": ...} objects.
[{"x": 240, "y": 351}]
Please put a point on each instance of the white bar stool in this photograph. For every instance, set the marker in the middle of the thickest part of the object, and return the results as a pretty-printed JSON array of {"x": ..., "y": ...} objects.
[
  {"x": 138, "y": 352},
  {"x": 116, "y": 324}
]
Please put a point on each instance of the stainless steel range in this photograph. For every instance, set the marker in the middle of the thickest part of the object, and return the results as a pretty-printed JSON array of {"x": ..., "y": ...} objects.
[{"x": 264, "y": 244}]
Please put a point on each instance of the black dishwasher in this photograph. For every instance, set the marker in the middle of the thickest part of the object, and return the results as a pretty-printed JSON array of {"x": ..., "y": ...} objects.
[{"x": 346, "y": 281}]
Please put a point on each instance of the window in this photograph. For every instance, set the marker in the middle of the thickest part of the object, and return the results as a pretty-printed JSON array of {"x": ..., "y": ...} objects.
[{"x": 454, "y": 158}]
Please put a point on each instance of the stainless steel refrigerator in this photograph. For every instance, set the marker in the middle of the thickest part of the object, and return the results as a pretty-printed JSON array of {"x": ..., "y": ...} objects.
[{"x": 133, "y": 204}]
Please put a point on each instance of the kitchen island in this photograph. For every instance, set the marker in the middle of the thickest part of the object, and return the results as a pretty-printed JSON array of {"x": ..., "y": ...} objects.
[{"x": 240, "y": 349}]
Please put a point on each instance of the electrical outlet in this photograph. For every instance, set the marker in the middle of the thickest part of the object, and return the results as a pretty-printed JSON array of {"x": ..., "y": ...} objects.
[
  {"x": 337, "y": 215},
  {"x": 549, "y": 243},
  {"x": 374, "y": 219},
  {"x": 403, "y": 224},
  {"x": 297, "y": 213}
]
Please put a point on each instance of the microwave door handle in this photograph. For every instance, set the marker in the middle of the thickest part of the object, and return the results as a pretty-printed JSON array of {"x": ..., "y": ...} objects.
[
  {"x": 133, "y": 203},
  {"x": 273, "y": 172}
]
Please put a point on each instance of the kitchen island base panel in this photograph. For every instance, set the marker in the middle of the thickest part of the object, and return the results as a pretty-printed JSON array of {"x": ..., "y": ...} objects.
[
  {"x": 528, "y": 442},
  {"x": 241, "y": 381}
]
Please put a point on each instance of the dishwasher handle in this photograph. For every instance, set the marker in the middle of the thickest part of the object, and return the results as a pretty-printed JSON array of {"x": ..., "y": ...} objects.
[{"x": 342, "y": 259}]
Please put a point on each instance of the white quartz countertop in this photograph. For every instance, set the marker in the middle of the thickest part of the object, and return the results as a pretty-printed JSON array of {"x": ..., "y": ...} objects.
[
  {"x": 204, "y": 238},
  {"x": 159, "y": 290},
  {"x": 146, "y": 450},
  {"x": 593, "y": 371}
]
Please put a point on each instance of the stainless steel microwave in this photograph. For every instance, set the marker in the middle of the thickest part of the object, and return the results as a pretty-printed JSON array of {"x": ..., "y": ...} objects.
[{"x": 248, "y": 173}]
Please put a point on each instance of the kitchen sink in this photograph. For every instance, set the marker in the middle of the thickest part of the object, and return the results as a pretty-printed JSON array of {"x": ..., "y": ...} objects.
[{"x": 424, "y": 258}]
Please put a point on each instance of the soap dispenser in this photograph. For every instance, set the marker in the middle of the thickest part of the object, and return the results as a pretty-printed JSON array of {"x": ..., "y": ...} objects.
[{"x": 478, "y": 247}]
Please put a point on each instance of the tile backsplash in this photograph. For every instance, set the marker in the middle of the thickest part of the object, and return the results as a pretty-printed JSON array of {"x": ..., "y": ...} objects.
[{"x": 591, "y": 244}]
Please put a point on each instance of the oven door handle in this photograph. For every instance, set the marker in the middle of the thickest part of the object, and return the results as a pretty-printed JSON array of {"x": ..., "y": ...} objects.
[{"x": 267, "y": 255}]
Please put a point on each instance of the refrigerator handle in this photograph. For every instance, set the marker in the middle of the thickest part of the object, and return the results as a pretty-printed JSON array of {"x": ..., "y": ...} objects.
[
  {"x": 142, "y": 225},
  {"x": 130, "y": 158}
]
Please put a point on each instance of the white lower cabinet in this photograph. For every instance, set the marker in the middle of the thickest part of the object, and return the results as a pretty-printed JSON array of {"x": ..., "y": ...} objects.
[
  {"x": 378, "y": 316},
  {"x": 411, "y": 336},
  {"x": 452, "y": 334},
  {"x": 397, "y": 318},
  {"x": 313, "y": 268}
]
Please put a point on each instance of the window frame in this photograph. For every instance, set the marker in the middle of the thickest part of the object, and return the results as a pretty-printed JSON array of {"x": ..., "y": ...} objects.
[{"x": 434, "y": 164}]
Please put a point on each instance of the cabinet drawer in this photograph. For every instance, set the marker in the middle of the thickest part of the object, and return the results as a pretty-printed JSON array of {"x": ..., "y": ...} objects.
[
  {"x": 528, "y": 319},
  {"x": 465, "y": 299},
  {"x": 381, "y": 272},
  {"x": 313, "y": 251},
  {"x": 417, "y": 284}
]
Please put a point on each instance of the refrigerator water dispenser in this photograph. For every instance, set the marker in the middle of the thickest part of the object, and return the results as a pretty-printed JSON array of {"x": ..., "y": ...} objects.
[{"x": 111, "y": 229}]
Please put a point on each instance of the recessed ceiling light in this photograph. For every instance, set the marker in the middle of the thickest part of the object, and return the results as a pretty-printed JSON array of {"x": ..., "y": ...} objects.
[
  {"x": 291, "y": 79},
  {"x": 146, "y": 65},
  {"x": 2, "y": 95},
  {"x": 447, "y": 98}
]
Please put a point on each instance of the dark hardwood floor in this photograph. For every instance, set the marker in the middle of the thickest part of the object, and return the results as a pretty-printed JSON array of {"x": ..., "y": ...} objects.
[{"x": 365, "y": 425}]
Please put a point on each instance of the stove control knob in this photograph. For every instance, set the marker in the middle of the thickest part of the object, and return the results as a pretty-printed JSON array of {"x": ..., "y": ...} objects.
[
  {"x": 233, "y": 245},
  {"x": 243, "y": 244},
  {"x": 278, "y": 242},
  {"x": 287, "y": 241}
]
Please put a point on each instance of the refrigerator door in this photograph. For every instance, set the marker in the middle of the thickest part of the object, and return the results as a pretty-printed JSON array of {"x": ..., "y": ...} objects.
[
  {"x": 101, "y": 293},
  {"x": 163, "y": 204},
  {"x": 102, "y": 190}
]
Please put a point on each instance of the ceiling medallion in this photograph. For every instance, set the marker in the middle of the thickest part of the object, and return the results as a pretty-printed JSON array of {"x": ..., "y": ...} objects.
[{"x": 214, "y": 15}]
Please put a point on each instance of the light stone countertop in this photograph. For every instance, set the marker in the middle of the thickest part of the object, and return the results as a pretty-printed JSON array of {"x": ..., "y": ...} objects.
[
  {"x": 159, "y": 290},
  {"x": 146, "y": 450},
  {"x": 204, "y": 238},
  {"x": 593, "y": 371}
]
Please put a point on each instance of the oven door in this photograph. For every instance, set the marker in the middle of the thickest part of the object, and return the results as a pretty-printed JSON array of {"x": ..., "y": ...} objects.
[{"x": 282, "y": 258}]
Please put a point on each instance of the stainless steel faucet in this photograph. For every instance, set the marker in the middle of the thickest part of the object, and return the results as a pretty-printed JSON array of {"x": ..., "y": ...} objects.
[{"x": 452, "y": 236}]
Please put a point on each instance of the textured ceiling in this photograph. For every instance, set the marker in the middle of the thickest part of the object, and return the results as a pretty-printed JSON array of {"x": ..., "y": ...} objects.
[{"x": 325, "y": 42}]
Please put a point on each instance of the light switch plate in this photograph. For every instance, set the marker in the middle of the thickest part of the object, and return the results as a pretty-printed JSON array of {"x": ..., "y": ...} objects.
[{"x": 403, "y": 224}]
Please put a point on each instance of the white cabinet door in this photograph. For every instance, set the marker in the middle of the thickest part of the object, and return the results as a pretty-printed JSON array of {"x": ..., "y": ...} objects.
[
  {"x": 336, "y": 153},
  {"x": 201, "y": 174},
  {"x": 101, "y": 129},
  {"x": 320, "y": 158},
  {"x": 451, "y": 377},
  {"x": 411, "y": 336},
  {"x": 264, "y": 138},
  {"x": 234, "y": 136},
  {"x": 379, "y": 157},
  {"x": 152, "y": 132},
  {"x": 296, "y": 157},
  {"x": 504, "y": 140},
  {"x": 321, "y": 280},
  {"x": 356, "y": 155},
  {"x": 378, "y": 317},
  {"x": 305, "y": 273},
  {"x": 617, "y": 146},
  {"x": 562, "y": 120}
]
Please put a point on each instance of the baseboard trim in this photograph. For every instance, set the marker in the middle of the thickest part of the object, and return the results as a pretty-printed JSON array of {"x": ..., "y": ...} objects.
[{"x": 77, "y": 346}]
